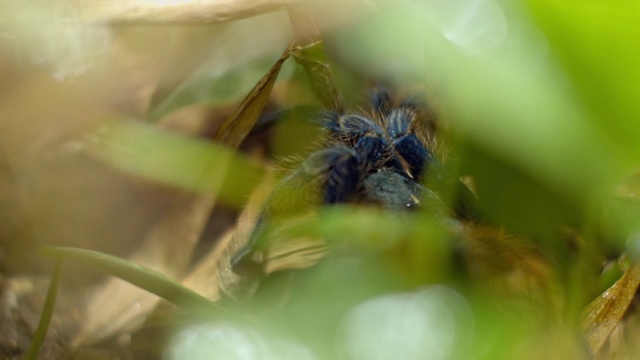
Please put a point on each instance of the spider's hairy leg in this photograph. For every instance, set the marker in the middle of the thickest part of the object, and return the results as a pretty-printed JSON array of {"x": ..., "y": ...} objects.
[
  {"x": 350, "y": 125},
  {"x": 343, "y": 177},
  {"x": 417, "y": 102},
  {"x": 293, "y": 195},
  {"x": 344, "y": 167},
  {"x": 370, "y": 149},
  {"x": 406, "y": 142},
  {"x": 338, "y": 168},
  {"x": 380, "y": 100},
  {"x": 329, "y": 175}
]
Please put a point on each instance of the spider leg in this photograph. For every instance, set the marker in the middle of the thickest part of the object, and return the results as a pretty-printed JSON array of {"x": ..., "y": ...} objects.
[
  {"x": 406, "y": 142},
  {"x": 414, "y": 153},
  {"x": 349, "y": 166},
  {"x": 350, "y": 125},
  {"x": 344, "y": 175},
  {"x": 341, "y": 166},
  {"x": 380, "y": 100},
  {"x": 344, "y": 167},
  {"x": 295, "y": 194},
  {"x": 417, "y": 102}
]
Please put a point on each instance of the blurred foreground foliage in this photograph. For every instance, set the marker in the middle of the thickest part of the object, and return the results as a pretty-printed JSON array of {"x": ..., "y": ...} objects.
[{"x": 538, "y": 100}]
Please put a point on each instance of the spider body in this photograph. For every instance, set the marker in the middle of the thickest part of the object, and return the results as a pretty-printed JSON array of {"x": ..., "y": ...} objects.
[{"x": 378, "y": 159}]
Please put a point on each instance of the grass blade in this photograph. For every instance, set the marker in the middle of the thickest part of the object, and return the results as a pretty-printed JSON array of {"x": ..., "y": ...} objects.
[
  {"x": 47, "y": 312},
  {"x": 235, "y": 128},
  {"x": 140, "y": 276}
]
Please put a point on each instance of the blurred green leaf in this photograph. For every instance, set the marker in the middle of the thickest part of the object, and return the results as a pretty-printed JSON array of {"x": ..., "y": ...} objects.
[
  {"x": 513, "y": 102},
  {"x": 598, "y": 45},
  {"x": 510, "y": 197},
  {"x": 181, "y": 161},
  {"x": 201, "y": 88},
  {"x": 416, "y": 245},
  {"x": 235, "y": 59}
]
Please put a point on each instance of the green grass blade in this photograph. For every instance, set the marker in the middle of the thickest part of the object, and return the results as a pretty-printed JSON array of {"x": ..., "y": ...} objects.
[
  {"x": 140, "y": 276},
  {"x": 47, "y": 312}
]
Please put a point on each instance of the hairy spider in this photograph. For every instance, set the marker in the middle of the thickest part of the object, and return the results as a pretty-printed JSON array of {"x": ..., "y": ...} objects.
[
  {"x": 377, "y": 159},
  {"x": 381, "y": 157}
]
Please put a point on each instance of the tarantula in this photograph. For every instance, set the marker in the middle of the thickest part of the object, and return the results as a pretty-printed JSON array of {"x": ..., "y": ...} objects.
[
  {"x": 379, "y": 159},
  {"x": 382, "y": 159}
]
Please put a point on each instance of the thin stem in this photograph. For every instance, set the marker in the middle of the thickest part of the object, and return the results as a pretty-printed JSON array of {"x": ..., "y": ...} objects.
[{"x": 47, "y": 312}]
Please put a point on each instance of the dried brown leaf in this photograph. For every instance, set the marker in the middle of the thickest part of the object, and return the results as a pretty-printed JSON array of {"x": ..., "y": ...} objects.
[
  {"x": 234, "y": 130},
  {"x": 604, "y": 313},
  {"x": 213, "y": 273}
]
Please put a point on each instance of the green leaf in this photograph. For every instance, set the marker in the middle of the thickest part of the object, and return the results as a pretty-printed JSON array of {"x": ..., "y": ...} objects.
[
  {"x": 173, "y": 159},
  {"x": 314, "y": 60},
  {"x": 47, "y": 313},
  {"x": 598, "y": 45}
]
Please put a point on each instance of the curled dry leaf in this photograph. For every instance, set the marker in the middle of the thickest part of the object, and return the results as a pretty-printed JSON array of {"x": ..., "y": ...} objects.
[
  {"x": 603, "y": 317},
  {"x": 313, "y": 58},
  {"x": 213, "y": 274},
  {"x": 234, "y": 130},
  {"x": 604, "y": 313}
]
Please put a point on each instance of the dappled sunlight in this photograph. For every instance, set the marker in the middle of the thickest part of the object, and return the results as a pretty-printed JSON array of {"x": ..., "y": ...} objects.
[
  {"x": 228, "y": 341},
  {"x": 432, "y": 322},
  {"x": 477, "y": 27}
]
